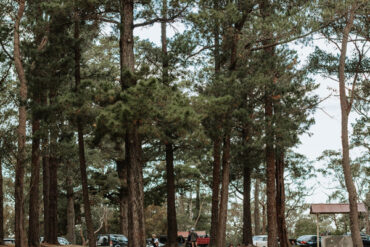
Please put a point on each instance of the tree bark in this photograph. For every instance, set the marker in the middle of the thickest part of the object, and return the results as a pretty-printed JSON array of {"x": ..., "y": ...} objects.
[
  {"x": 34, "y": 202},
  {"x": 45, "y": 185},
  {"x": 215, "y": 189},
  {"x": 20, "y": 238},
  {"x": 171, "y": 203},
  {"x": 53, "y": 189},
  {"x": 81, "y": 143},
  {"x": 222, "y": 219},
  {"x": 52, "y": 237},
  {"x": 257, "y": 220},
  {"x": 345, "y": 110},
  {"x": 165, "y": 64},
  {"x": 170, "y": 174},
  {"x": 367, "y": 215},
  {"x": 1, "y": 204},
  {"x": 71, "y": 237},
  {"x": 216, "y": 144},
  {"x": 123, "y": 195},
  {"x": 136, "y": 221},
  {"x": 269, "y": 149},
  {"x": 37, "y": 89},
  {"x": 247, "y": 217},
  {"x": 136, "y": 231},
  {"x": 280, "y": 202},
  {"x": 197, "y": 199},
  {"x": 264, "y": 219},
  {"x": 271, "y": 171}
]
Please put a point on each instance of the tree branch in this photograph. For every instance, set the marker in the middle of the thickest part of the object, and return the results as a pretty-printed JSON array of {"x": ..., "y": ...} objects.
[
  {"x": 159, "y": 19},
  {"x": 6, "y": 75},
  {"x": 198, "y": 52},
  {"x": 291, "y": 39},
  {"x": 6, "y": 52}
]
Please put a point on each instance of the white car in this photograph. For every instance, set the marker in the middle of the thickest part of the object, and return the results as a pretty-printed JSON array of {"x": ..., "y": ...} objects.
[{"x": 260, "y": 240}]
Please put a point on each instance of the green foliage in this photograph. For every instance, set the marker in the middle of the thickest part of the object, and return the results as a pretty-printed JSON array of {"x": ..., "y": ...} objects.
[
  {"x": 360, "y": 173},
  {"x": 305, "y": 226}
]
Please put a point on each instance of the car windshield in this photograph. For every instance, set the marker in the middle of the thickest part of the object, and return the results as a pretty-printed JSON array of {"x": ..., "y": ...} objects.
[
  {"x": 259, "y": 238},
  {"x": 120, "y": 238},
  {"x": 307, "y": 238}
]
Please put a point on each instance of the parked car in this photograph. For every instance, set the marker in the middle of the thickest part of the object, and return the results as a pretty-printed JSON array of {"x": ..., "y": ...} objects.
[
  {"x": 9, "y": 241},
  {"x": 61, "y": 241},
  {"x": 308, "y": 240},
  {"x": 366, "y": 241},
  {"x": 203, "y": 240},
  {"x": 365, "y": 238},
  {"x": 163, "y": 240},
  {"x": 260, "y": 239},
  {"x": 112, "y": 240}
]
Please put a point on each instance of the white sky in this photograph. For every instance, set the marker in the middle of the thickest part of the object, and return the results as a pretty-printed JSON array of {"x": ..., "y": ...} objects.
[{"x": 326, "y": 132}]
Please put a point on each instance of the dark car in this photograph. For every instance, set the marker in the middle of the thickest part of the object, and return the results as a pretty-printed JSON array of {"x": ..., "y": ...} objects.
[
  {"x": 365, "y": 240},
  {"x": 163, "y": 240},
  {"x": 112, "y": 240},
  {"x": 307, "y": 240}
]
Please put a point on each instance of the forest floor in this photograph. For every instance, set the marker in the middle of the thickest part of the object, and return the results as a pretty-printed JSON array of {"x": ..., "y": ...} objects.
[
  {"x": 54, "y": 245},
  {"x": 44, "y": 245}
]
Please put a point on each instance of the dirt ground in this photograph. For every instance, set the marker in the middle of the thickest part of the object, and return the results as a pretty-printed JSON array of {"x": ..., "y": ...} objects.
[{"x": 45, "y": 245}]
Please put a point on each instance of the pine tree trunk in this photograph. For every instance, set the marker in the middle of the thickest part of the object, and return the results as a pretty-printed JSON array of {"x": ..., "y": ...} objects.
[
  {"x": 345, "y": 110},
  {"x": 271, "y": 170},
  {"x": 34, "y": 202},
  {"x": 165, "y": 65},
  {"x": 280, "y": 202},
  {"x": 215, "y": 189},
  {"x": 171, "y": 206},
  {"x": 216, "y": 145},
  {"x": 257, "y": 220},
  {"x": 20, "y": 237},
  {"x": 71, "y": 237},
  {"x": 1, "y": 204},
  {"x": 81, "y": 142},
  {"x": 170, "y": 175},
  {"x": 222, "y": 219},
  {"x": 264, "y": 219},
  {"x": 197, "y": 199},
  {"x": 190, "y": 205},
  {"x": 367, "y": 215},
  {"x": 136, "y": 221},
  {"x": 45, "y": 171},
  {"x": 53, "y": 176},
  {"x": 45, "y": 186},
  {"x": 136, "y": 231},
  {"x": 247, "y": 217},
  {"x": 53, "y": 191},
  {"x": 123, "y": 196},
  {"x": 269, "y": 149}
]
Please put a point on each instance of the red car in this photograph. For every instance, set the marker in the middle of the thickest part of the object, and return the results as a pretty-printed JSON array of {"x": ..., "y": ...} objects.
[{"x": 203, "y": 240}]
